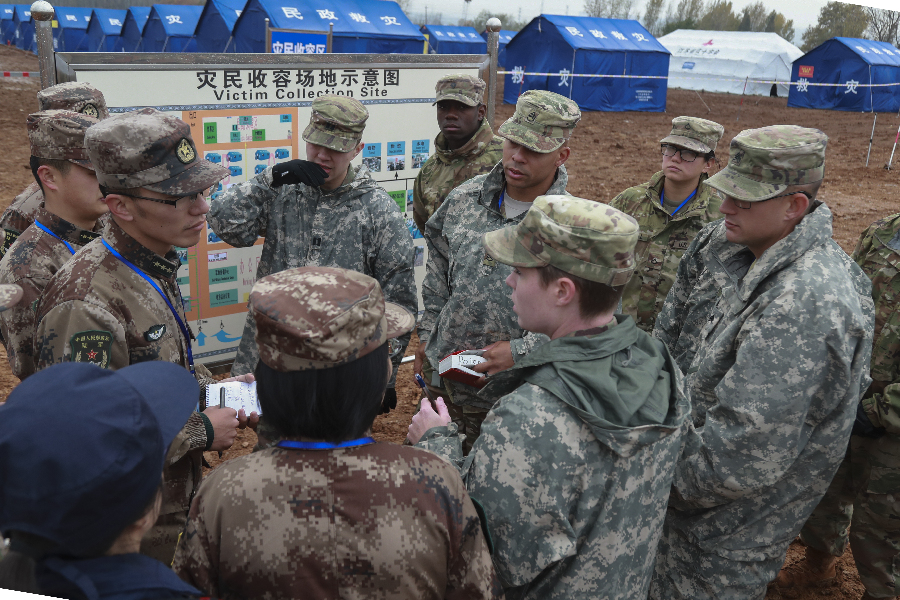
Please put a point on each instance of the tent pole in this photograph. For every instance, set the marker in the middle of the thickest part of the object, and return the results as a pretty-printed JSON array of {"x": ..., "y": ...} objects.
[
  {"x": 268, "y": 37},
  {"x": 871, "y": 137},
  {"x": 572, "y": 83},
  {"x": 741, "y": 105},
  {"x": 702, "y": 100},
  {"x": 891, "y": 159}
]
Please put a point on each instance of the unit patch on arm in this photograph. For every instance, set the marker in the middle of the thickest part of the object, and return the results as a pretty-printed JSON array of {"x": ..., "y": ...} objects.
[{"x": 92, "y": 347}]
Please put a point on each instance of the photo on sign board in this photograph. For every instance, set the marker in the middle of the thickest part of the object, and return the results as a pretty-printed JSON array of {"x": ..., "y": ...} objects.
[
  {"x": 373, "y": 163},
  {"x": 419, "y": 255},
  {"x": 396, "y": 163},
  {"x": 418, "y": 160}
]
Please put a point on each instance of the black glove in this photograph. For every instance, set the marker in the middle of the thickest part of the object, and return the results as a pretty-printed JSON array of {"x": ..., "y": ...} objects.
[
  {"x": 863, "y": 426},
  {"x": 390, "y": 401},
  {"x": 298, "y": 171}
]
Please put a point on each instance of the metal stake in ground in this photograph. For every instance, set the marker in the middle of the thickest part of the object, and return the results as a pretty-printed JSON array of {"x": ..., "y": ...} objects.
[
  {"x": 871, "y": 137},
  {"x": 891, "y": 159},
  {"x": 702, "y": 100},
  {"x": 742, "y": 98}
]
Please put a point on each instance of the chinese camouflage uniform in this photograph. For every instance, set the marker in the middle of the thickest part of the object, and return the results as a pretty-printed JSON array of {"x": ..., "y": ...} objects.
[
  {"x": 867, "y": 484},
  {"x": 783, "y": 357}
]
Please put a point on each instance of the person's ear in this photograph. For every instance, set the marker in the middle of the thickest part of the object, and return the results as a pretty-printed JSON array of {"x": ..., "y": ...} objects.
[
  {"x": 49, "y": 177},
  {"x": 119, "y": 207},
  {"x": 563, "y": 156},
  {"x": 482, "y": 111},
  {"x": 357, "y": 150},
  {"x": 566, "y": 292},
  {"x": 797, "y": 206}
]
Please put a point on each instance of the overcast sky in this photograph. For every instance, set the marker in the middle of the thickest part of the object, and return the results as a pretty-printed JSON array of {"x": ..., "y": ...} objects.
[{"x": 803, "y": 12}]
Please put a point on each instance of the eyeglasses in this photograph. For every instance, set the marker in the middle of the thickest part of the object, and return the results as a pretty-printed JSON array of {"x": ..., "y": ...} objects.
[
  {"x": 193, "y": 197},
  {"x": 748, "y": 205},
  {"x": 686, "y": 155}
]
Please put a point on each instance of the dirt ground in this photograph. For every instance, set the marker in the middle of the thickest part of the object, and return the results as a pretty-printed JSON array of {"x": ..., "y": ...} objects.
[{"x": 610, "y": 152}]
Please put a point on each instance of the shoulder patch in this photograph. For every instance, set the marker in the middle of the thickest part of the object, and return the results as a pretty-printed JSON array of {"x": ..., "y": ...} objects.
[
  {"x": 155, "y": 333},
  {"x": 92, "y": 347},
  {"x": 9, "y": 238}
]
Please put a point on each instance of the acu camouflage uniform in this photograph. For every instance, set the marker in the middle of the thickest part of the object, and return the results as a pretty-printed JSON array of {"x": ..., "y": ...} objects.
[
  {"x": 783, "y": 358},
  {"x": 867, "y": 484},
  {"x": 446, "y": 168}
]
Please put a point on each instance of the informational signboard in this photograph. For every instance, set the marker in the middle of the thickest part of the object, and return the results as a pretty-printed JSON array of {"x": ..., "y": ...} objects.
[
  {"x": 247, "y": 116},
  {"x": 286, "y": 41}
]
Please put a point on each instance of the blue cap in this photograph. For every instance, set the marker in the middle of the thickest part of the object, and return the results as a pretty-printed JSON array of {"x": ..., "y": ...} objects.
[{"x": 82, "y": 450}]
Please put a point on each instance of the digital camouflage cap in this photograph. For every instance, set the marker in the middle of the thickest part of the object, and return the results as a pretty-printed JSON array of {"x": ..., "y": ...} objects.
[
  {"x": 59, "y": 135},
  {"x": 76, "y": 96},
  {"x": 588, "y": 239},
  {"x": 694, "y": 134},
  {"x": 337, "y": 122},
  {"x": 319, "y": 317},
  {"x": 764, "y": 162},
  {"x": 543, "y": 121},
  {"x": 149, "y": 149},
  {"x": 462, "y": 88}
]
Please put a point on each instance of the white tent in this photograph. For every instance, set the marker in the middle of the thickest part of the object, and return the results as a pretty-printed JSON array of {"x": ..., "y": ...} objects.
[{"x": 720, "y": 61}]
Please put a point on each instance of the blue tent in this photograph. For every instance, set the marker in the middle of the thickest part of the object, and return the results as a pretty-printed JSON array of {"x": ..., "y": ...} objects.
[
  {"x": 559, "y": 46},
  {"x": 850, "y": 63},
  {"x": 217, "y": 24},
  {"x": 506, "y": 37},
  {"x": 25, "y": 38},
  {"x": 105, "y": 29},
  {"x": 360, "y": 26},
  {"x": 69, "y": 34},
  {"x": 133, "y": 29},
  {"x": 170, "y": 28},
  {"x": 7, "y": 25},
  {"x": 447, "y": 39}
]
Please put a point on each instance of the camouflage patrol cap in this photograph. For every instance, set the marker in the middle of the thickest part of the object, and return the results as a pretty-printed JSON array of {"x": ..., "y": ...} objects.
[
  {"x": 319, "y": 317},
  {"x": 10, "y": 294},
  {"x": 59, "y": 135},
  {"x": 765, "y": 161},
  {"x": 581, "y": 237},
  {"x": 337, "y": 122},
  {"x": 149, "y": 149},
  {"x": 694, "y": 134},
  {"x": 543, "y": 121},
  {"x": 76, "y": 96},
  {"x": 462, "y": 88}
]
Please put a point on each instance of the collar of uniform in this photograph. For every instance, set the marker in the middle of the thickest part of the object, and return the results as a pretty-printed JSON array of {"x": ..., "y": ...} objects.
[
  {"x": 65, "y": 230},
  {"x": 495, "y": 181},
  {"x": 345, "y": 185},
  {"x": 143, "y": 258},
  {"x": 592, "y": 330},
  {"x": 475, "y": 146},
  {"x": 697, "y": 205}
]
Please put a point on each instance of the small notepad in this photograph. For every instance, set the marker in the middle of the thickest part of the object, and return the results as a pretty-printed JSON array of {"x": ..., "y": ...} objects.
[{"x": 238, "y": 395}]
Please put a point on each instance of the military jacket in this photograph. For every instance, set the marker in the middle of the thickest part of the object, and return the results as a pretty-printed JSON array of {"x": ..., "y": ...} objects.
[
  {"x": 783, "y": 359},
  {"x": 574, "y": 465},
  {"x": 663, "y": 239},
  {"x": 467, "y": 301},
  {"x": 376, "y": 521},
  {"x": 446, "y": 169},
  {"x": 30, "y": 263},
  {"x": 356, "y": 226}
]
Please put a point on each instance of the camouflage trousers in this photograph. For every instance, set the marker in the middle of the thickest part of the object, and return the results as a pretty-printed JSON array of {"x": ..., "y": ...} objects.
[
  {"x": 160, "y": 542},
  {"x": 862, "y": 507},
  {"x": 684, "y": 571}
]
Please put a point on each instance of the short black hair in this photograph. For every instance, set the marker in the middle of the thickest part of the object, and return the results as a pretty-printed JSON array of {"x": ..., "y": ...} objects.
[
  {"x": 594, "y": 298},
  {"x": 63, "y": 166},
  {"x": 332, "y": 404}
]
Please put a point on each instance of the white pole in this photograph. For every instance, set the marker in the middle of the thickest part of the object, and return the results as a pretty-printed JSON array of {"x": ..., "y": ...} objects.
[{"x": 871, "y": 137}]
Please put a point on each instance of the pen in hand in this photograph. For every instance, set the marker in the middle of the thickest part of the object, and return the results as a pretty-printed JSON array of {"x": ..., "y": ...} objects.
[{"x": 425, "y": 390}]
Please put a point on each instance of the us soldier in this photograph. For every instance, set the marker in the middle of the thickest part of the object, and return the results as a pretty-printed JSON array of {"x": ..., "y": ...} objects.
[
  {"x": 465, "y": 147},
  {"x": 75, "y": 96},
  {"x": 321, "y": 212},
  {"x": 65, "y": 220},
  {"x": 574, "y": 462},
  {"x": 671, "y": 209},
  {"x": 466, "y": 303},
  {"x": 382, "y": 520},
  {"x": 866, "y": 487},
  {"x": 781, "y": 319},
  {"x": 116, "y": 302}
]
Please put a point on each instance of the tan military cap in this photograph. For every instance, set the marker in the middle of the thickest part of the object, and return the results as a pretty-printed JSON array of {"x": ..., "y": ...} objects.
[
  {"x": 337, "y": 122},
  {"x": 462, "y": 88},
  {"x": 77, "y": 96},
  {"x": 59, "y": 135},
  {"x": 694, "y": 134},
  {"x": 543, "y": 121}
]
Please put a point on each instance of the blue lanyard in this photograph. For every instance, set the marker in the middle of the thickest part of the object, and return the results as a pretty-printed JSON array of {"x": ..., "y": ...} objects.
[
  {"x": 324, "y": 445},
  {"x": 662, "y": 200},
  {"x": 184, "y": 330},
  {"x": 500, "y": 201},
  {"x": 45, "y": 230}
]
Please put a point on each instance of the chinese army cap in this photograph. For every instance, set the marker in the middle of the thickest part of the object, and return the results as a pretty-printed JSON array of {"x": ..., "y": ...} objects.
[
  {"x": 462, "y": 88},
  {"x": 588, "y": 239},
  {"x": 337, "y": 122},
  {"x": 149, "y": 149},
  {"x": 319, "y": 317},
  {"x": 59, "y": 135},
  {"x": 694, "y": 134},
  {"x": 76, "y": 96},
  {"x": 764, "y": 162},
  {"x": 75, "y": 489},
  {"x": 543, "y": 121}
]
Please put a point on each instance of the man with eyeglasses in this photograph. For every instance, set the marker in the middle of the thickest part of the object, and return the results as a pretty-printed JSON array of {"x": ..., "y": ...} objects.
[
  {"x": 117, "y": 302},
  {"x": 671, "y": 209},
  {"x": 781, "y": 320}
]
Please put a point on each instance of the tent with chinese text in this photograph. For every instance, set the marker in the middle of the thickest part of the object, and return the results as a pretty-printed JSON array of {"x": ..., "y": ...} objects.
[
  {"x": 360, "y": 26},
  {"x": 216, "y": 25},
  {"x": 556, "y": 47},
  {"x": 133, "y": 29},
  {"x": 170, "y": 28},
  {"x": 25, "y": 38},
  {"x": 861, "y": 75},
  {"x": 506, "y": 37},
  {"x": 105, "y": 29},
  {"x": 70, "y": 34},
  {"x": 447, "y": 39},
  {"x": 722, "y": 61}
]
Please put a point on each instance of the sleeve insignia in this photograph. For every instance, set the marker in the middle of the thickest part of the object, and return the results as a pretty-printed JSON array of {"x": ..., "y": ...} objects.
[
  {"x": 92, "y": 347},
  {"x": 9, "y": 238},
  {"x": 155, "y": 333}
]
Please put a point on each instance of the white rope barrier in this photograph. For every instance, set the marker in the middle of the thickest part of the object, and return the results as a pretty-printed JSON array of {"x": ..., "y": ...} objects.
[{"x": 800, "y": 83}]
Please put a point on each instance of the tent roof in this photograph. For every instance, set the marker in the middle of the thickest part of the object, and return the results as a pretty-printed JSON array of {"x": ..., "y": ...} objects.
[
  {"x": 140, "y": 14},
  {"x": 71, "y": 17},
  {"x": 229, "y": 10},
  {"x": 453, "y": 33},
  {"x": 745, "y": 46},
  {"x": 594, "y": 33},
  {"x": 366, "y": 17},
  {"x": 22, "y": 12},
  {"x": 505, "y": 36},
  {"x": 6, "y": 12},
  {"x": 177, "y": 19},
  {"x": 110, "y": 20},
  {"x": 874, "y": 53}
]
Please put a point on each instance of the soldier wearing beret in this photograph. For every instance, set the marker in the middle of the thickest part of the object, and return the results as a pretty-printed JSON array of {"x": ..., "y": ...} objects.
[
  {"x": 671, "y": 209},
  {"x": 465, "y": 147},
  {"x": 74, "y": 96},
  {"x": 774, "y": 324},
  {"x": 353, "y": 517},
  {"x": 65, "y": 221},
  {"x": 574, "y": 462},
  {"x": 466, "y": 303},
  {"x": 117, "y": 302},
  {"x": 321, "y": 211}
]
